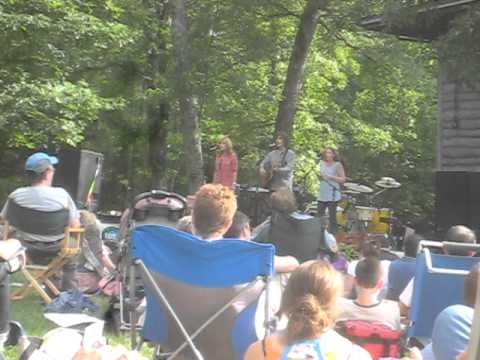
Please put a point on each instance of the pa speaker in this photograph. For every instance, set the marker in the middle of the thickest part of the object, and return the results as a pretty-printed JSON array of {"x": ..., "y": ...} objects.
[
  {"x": 79, "y": 171},
  {"x": 457, "y": 200}
]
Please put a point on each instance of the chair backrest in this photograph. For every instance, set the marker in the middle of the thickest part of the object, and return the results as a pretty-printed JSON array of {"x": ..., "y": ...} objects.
[
  {"x": 435, "y": 291},
  {"x": 298, "y": 235},
  {"x": 198, "y": 277},
  {"x": 35, "y": 221}
]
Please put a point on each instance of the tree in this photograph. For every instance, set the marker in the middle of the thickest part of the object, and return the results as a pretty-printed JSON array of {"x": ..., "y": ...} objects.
[
  {"x": 296, "y": 66},
  {"x": 49, "y": 53},
  {"x": 188, "y": 112}
]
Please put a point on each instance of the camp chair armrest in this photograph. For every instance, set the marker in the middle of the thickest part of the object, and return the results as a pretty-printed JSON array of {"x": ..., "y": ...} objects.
[
  {"x": 72, "y": 240},
  {"x": 426, "y": 244},
  {"x": 429, "y": 244},
  {"x": 460, "y": 246}
]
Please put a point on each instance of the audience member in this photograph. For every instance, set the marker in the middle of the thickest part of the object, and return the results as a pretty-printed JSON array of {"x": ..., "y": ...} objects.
[
  {"x": 12, "y": 259},
  {"x": 451, "y": 329},
  {"x": 185, "y": 224},
  {"x": 292, "y": 233},
  {"x": 310, "y": 303},
  {"x": 213, "y": 211},
  {"x": 94, "y": 251},
  {"x": 42, "y": 196},
  {"x": 240, "y": 229},
  {"x": 401, "y": 271},
  {"x": 457, "y": 234},
  {"x": 368, "y": 249},
  {"x": 367, "y": 306},
  {"x": 282, "y": 202}
]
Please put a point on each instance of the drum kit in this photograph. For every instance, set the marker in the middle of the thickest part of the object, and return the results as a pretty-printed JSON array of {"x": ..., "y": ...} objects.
[{"x": 357, "y": 218}]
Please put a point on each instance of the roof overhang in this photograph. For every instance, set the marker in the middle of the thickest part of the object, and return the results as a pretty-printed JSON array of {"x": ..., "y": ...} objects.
[{"x": 427, "y": 23}]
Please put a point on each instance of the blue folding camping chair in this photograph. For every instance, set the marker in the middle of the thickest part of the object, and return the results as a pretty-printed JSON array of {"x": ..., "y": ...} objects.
[
  {"x": 201, "y": 295},
  {"x": 473, "y": 349},
  {"x": 438, "y": 284}
]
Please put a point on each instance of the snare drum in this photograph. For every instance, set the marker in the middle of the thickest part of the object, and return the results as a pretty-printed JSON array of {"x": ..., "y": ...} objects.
[
  {"x": 377, "y": 226},
  {"x": 364, "y": 213}
]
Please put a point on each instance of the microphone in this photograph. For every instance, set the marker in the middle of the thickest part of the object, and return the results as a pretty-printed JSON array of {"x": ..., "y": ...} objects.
[
  {"x": 213, "y": 148},
  {"x": 272, "y": 146}
]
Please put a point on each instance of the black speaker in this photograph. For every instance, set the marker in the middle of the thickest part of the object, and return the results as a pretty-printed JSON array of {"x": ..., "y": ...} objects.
[
  {"x": 77, "y": 171},
  {"x": 457, "y": 200}
]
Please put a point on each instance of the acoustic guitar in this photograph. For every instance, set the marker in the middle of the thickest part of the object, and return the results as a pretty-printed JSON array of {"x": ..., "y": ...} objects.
[
  {"x": 267, "y": 173},
  {"x": 266, "y": 176}
]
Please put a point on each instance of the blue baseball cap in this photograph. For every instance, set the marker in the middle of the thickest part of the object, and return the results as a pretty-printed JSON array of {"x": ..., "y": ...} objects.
[{"x": 40, "y": 162}]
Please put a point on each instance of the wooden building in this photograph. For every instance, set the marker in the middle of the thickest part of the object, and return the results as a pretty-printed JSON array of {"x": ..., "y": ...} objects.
[{"x": 457, "y": 178}]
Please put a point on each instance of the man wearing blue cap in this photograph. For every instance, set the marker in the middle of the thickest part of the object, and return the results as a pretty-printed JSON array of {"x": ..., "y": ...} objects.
[{"x": 42, "y": 196}]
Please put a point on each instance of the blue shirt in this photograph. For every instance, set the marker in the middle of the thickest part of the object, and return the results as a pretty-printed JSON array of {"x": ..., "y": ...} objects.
[
  {"x": 451, "y": 331},
  {"x": 400, "y": 273},
  {"x": 329, "y": 189}
]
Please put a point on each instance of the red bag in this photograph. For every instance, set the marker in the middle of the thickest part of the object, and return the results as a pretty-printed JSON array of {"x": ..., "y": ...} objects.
[
  {"x": 109, "y": 286},
  {"x": 378, "y": 339}
]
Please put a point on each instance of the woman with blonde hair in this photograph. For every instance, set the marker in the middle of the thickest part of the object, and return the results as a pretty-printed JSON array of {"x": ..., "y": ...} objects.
[
  {"x": 310, "y": 304},
  {"x": 332, "y": 175},
  {"x": 226, "y": 164}
]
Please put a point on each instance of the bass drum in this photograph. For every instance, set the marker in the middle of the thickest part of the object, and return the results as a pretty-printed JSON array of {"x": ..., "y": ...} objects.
[{"x": 380, "y": 221}]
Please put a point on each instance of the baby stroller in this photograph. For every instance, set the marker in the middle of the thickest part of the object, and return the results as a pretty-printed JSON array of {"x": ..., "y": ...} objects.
[{"x": 154, "y": 207}]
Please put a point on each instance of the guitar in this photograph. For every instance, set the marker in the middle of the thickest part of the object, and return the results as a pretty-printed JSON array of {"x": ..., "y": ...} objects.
[
  {"x": 266, "y": 175},
  {"x": 268, "y": 172}
]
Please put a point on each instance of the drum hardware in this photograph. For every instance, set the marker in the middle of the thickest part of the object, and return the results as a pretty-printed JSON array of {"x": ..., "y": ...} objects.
[
  {"x": 254, "y": 202},
  {"x": 364, "y": 213},
  {"x": 388, "y": 220},
  {"x": 366, "y": 222},
  {"x": 364, "y": 189},
  {"x": 351, "y": 192},
  {"x": 257, "y": 189},
  {"x": 388, "y": 183}
]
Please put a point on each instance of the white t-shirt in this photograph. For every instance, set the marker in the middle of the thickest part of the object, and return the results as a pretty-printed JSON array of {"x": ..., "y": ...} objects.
[
  {"x": 385, "y": 312},
  {"x": 406, "y": 295}
]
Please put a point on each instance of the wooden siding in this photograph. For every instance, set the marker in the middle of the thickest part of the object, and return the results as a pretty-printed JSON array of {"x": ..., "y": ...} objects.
[{"x": 458, "y": 146}]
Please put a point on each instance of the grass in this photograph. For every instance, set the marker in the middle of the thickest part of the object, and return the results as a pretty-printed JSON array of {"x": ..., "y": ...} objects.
[{"x": 29, "y": 312}]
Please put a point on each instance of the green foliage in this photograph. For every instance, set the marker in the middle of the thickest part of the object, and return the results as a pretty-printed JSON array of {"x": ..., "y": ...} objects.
[
  {"x": 49, "y": 50},
  {"x": 460, "y": 46},
  {"x": 350, "y": 251}
]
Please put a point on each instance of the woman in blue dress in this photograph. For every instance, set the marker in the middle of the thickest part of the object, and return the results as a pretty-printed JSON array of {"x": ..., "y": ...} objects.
[{"x": 332, "y": 175}]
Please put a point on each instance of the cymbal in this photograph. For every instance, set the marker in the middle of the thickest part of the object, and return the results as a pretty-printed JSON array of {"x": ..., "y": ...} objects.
[
  {"x": 388, "y": 183},
  {"x": 358, "y": 187},
  {"x": 351, "y": 192}
]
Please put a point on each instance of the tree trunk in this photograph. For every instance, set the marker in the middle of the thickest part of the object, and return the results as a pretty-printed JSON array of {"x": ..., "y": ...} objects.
[
  {"x": 156, "y": 110},
  {"x": 296, "y": 66},
  {"x": 157, "y": 117},
  {"x": 188, "y": 113}
]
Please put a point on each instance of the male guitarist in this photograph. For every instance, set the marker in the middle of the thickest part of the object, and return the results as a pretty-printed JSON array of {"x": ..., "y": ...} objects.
[{"x": 276, "y": 170}]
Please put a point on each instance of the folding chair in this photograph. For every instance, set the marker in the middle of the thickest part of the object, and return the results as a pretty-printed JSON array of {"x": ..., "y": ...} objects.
[
  {"x": 298, "y": 235},
  {"x": 473, "y": 349},
  {"x": 156, "y": 207},
  {"x": 43, "y": 223},
  {"x": 201, "y": 295},
  {"x": 439, "y": 281}
]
